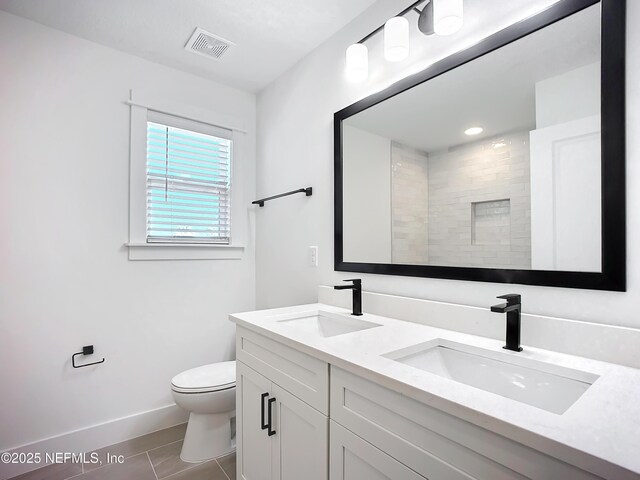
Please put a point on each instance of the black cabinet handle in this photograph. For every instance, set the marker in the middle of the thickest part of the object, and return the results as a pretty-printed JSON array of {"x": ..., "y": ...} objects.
[
  {"x": 263, "y": 424},
  {"x": 271, "y": 431}
]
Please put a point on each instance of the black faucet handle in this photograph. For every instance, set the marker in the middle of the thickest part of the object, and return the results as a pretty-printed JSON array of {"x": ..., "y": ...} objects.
[
  {"x": 356, "y": 281},
  {"x": 511, "y": 298}
]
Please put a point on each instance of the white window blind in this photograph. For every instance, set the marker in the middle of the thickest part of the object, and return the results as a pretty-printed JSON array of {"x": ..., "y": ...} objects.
[{"x": 188, "y": 181}]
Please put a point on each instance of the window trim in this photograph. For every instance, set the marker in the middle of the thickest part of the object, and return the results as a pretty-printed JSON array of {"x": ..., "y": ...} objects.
[{"x": 138, "y": 247}]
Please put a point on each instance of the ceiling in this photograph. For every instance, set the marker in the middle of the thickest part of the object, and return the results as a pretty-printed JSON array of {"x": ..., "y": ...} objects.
[
  {"x": 270, "y": 35},
  {"x": 496, "y": 91}
]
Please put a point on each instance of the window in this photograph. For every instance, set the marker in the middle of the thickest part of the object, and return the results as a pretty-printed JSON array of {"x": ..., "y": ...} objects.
[{"x": 188, "y": 181}]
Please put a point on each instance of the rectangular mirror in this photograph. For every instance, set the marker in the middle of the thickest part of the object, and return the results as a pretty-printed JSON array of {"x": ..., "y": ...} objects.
[{"x": 502, "y": 163}]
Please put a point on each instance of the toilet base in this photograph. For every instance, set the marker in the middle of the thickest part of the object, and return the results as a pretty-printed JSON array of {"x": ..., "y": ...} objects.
[{"x": 208, "y": 436}]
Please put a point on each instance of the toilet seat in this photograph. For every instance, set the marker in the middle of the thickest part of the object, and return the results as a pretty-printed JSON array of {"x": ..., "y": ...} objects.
[{"x": 207, "y": 378}]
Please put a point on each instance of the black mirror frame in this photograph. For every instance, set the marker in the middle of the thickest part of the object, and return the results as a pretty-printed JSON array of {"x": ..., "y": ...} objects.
[{"x": 613, "y": 275}]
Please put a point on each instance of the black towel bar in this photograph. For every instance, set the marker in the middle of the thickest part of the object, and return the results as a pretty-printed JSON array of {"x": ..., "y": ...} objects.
[{"x": 307, "y": 191}]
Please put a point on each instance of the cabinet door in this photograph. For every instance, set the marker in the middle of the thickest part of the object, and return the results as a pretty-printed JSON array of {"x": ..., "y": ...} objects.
[
  {"x": 253, "y": 444},
  {"x": 352, "y": 458},
  {"x": 301, "y": 439}
]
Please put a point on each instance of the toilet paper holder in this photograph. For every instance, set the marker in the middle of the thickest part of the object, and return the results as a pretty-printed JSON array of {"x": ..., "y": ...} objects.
[{"x": 86, "y": 350}]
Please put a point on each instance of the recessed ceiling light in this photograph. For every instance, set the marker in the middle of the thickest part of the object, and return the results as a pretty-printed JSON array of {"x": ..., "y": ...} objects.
[{"x": 473, "y": 131}]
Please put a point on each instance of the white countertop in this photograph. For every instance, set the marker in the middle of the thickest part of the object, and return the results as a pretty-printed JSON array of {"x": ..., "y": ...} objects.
[{"x": 599, "y": 432}]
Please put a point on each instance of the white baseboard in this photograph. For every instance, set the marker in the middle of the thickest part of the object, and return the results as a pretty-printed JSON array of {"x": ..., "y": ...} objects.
[
  {"x": 97, "y": 436},
  {"x": 608, "y": 343}
]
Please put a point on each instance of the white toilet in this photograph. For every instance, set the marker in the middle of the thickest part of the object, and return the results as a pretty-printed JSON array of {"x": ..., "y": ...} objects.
[{"x": 209, "y": 393}]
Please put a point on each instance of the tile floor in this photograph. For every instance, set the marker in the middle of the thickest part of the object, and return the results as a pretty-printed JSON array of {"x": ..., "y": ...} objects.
[{"x": 155, "y": 456}]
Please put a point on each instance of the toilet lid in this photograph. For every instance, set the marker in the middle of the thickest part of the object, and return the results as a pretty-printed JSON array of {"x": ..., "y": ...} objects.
[{"x": 212, "y": 377}]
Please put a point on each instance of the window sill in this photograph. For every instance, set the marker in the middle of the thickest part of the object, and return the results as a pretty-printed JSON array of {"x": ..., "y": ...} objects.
[{"x": 183, "y": 251}]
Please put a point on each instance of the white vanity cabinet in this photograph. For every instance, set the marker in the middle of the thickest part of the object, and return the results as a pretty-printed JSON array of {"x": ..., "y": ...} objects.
[
  {"x": 301, "y": 418},
  {"x": 280, "y": 436},
  {"x": 432, "y": 443},
  {"x": 254, "y": 452},
  {"x": 352, "y": 458}
]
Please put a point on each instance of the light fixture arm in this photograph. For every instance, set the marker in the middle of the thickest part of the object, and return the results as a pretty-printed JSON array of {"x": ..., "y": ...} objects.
[
  {"x": 411, "y": 7},
  {"x": 425, "y": 20}
]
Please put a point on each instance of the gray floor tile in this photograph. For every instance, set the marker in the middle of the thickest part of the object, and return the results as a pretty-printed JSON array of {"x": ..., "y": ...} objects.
[
  {"x": 205, "y": 471},
  {"x": 58, "y": 471},
  {"x": 138, "y": 445},
  {"x": 228, "y": 464},
  {"x": 137, "y": 467},
  {"x": 166, "y": 460},
  {"x": 150, "y": 457}
]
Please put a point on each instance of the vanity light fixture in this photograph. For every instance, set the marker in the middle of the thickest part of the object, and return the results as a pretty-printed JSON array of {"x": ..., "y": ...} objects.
[
  {"x": 442, "y": 17},
  {"x": 396, "y": 39},
  {"x": 357, "y": 62},
  {"x": 473, "y": 131},
  {"x": 447, "y": 16}
]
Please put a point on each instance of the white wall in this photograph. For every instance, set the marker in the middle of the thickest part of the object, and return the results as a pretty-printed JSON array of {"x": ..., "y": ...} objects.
[
  {"x": 295, "y": 121},
  {"x": 367, "y": 201},
  {"x": 572, "y": 95},
  {"x": 64, "y": 274}
]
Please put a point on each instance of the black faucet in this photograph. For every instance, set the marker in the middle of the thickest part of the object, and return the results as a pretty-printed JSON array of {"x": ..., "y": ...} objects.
[
  {"x": 512, "y": 308},
  {"x": 357, "y": 294}
]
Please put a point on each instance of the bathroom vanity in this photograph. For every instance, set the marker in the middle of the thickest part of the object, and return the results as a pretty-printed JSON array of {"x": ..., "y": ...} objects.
[
  {"x": 503, "y": 162},
  {"x": 323, "y": 394}
]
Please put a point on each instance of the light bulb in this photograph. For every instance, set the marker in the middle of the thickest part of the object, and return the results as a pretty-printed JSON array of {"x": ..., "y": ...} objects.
[
  {"x": 396, "y": 39},
  {"x": 473, "y": 131},
  {"x": 447, "y": 16},
  {"x": 357, "y": 62}
]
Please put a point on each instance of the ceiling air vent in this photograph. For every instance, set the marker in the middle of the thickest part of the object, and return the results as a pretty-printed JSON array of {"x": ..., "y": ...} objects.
[{"x": 208, "y": 44}]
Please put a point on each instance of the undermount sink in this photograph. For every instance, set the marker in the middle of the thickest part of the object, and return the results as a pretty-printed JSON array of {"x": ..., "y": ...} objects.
[
  {"x": 327, "y": 324},
  {"x": 546, "y": 386}
]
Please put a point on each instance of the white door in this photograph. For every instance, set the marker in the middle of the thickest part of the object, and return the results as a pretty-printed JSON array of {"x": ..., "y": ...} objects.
[
  {"x": 352, "y": 458},
  {"x": 253, "y": 443},
  {"x": 566, "y": 197},
  {"x": 301, "y": 439}
]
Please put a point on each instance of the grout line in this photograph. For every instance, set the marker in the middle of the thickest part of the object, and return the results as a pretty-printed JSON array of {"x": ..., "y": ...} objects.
[
  {"x": 78, "y": 474},
  {"x": 189, "y": 467},
  {"x": 169, "y": 477},
  {"x": 223, "y": 471},
  {"x": 165, "y": 445},
  {"x": 234, "y": 453},
  {"x": 107, "y": 464},
  {"x": 151, "y": 463},
  {"x": 75, "y": 476},
  {"x": 202, "y": 463}
]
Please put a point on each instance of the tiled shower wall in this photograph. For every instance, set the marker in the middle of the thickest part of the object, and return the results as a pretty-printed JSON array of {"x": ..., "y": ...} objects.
[
  {"x": 409, "y": 205},
  {"x": 491, "y": 222},
  {"x": 460, "y": 180}
]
